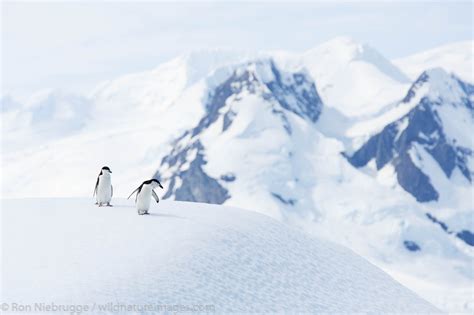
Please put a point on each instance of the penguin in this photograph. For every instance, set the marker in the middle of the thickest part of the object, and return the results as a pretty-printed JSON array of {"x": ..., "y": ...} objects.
[
  {"x": 103, "y": 187},
  {"x": 144, "y": 193}
]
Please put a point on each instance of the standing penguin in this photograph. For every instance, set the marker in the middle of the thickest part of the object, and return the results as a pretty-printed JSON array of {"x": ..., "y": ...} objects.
[
  {"x": 103, "y": 187},
  {"x": 144, "y": 193}
]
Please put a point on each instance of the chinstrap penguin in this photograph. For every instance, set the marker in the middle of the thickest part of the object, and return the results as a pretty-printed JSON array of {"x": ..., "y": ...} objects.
[
  {"x": 103, "y": 187},
  {"x": 144, "y": 193}
]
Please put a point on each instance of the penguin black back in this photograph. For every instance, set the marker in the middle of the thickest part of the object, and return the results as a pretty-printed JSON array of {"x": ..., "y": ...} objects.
[
  {"x": 104, "y": 168},
  {"x": 147, "y": 182}
]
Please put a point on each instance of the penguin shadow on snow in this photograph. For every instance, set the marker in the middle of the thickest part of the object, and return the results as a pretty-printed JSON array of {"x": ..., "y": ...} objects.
[
  {"x": 164, "y": 215},
  {"x": 124, "y": 206},
  {"x": 150, "y": 214}
]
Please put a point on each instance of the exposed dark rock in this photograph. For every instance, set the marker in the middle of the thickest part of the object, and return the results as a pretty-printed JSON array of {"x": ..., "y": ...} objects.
[
  {"x": 305, "y": 103},
  {"x": 413, "y": 180},
  {"x": 415, "y": 86},
  {"x": 411, "y": 246},
  {"x": 440, "y": 223},
  {"x": 228, "y": 118},
  {"x": 229, "y": 177},
  {"x": 196, "y": 185},
  {"x": 284, "y": 93},
  {"x": 466, "y": 236},
  {"x": 422, "y": 129},
  {"x": 288, "y": 201}
]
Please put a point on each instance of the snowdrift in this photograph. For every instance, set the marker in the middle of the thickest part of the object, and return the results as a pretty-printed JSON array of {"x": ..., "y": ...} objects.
[{"x": 71, "y": 252}]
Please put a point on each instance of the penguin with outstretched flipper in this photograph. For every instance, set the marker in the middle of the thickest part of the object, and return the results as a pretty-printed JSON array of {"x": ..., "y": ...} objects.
[{"x": 144, "y": 193}]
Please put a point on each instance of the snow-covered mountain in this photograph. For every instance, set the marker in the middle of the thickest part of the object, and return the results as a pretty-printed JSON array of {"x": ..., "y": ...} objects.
[
  {"x": 48, "y": 115},
  {"x": 270, "y": 129},
  {"x": 354, "y": 78},
  {"x": 429, "y": 149},
  {"x": 455, "y": 58},
  {"x": 161, "y": 88},
  {"x": 7, "y": 103},
  {"x": 187, "y": 254},
  {"x": 440, "y": 114},
  {"x": 252, "y": 147},
  {"x": 252, "y": 127}
]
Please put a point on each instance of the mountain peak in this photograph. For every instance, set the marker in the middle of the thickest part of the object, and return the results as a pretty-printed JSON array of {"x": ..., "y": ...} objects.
[
  {"x": 257, "y": 100},
  {"x": 353, "y": 77},
  {"x": 457, "y": 57},
  {"x": 294, "y": 91},
  {"x": 439, "y": 86},
  {"x": 437, "y": 73},
  {"x": 347, "y": 49},
  {"x": 342, "y": 48},
  {"x": 440, "y": 109}
]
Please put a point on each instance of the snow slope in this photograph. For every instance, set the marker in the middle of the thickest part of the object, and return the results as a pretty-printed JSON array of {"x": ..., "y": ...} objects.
[
  {"x": 456, "y": 57},
  {"x": 68, "y": 251}
]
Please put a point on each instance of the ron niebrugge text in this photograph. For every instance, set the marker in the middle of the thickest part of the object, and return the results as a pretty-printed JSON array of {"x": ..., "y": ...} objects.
[{"x": 106, "y": 307}]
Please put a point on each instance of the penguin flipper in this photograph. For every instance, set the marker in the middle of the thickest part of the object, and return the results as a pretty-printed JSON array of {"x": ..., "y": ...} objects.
[
  {"x": 155, "y": 196},
  {"x": 96, "y": 185},
  {"x": 134, "y": 192},
  {"x": 111, "y": 191}
]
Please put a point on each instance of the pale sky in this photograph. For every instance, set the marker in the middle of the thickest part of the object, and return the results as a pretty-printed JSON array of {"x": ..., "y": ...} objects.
[{"x": 74, "y": 46}]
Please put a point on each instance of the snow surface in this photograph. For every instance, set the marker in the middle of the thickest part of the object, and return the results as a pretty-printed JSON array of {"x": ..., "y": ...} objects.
[
  {"x": 354, "y": 78},
  {"x": 68, "y": 251},
  {"x": 456, "y": 57},
  {"x": 441, "y": 88}
]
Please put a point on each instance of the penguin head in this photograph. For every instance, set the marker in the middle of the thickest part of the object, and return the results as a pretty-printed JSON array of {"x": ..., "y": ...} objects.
[
  {"x": 106, "y": 169},
  {"x": 155, "y": 183}
]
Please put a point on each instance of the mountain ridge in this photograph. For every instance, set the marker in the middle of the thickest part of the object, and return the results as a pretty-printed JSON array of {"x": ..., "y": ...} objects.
[
  {"x": 457, "y": 58},
  {"x": 282, "y": 92},
  {"x": 423, "y": 125}
]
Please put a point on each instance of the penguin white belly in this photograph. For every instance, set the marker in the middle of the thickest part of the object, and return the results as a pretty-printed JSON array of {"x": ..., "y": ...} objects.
[
  {"x": 104, "y": 189},
  {"x": 143, "y": 199}
]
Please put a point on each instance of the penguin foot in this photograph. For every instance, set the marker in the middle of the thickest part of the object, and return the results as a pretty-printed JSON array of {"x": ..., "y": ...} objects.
[{"x": 109, "y": 205}]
